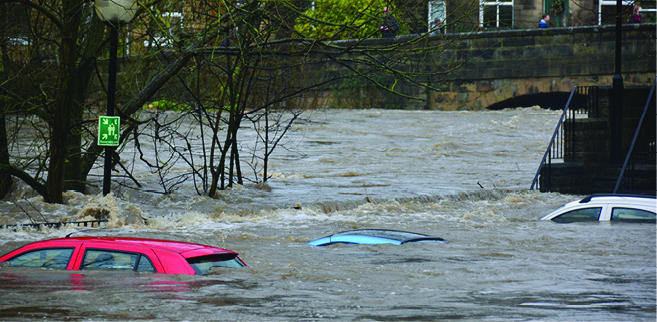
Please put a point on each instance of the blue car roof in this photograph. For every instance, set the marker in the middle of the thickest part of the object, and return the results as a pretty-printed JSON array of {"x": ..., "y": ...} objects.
[{"x": 374, "y": 236}]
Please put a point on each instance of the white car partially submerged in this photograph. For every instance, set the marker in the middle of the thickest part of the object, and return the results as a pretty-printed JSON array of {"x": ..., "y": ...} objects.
[{"x": 607, "y": 207}]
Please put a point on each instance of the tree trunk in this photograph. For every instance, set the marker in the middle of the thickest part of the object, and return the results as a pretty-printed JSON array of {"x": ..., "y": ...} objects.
[
  {"x": 75, "y": 176},
  {"x": 61, "y": 121},
  {"x": 5, "y": 179}
]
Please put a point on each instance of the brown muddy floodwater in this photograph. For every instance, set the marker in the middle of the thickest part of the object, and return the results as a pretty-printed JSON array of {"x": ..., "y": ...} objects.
[{"x": 463, "y": 176}]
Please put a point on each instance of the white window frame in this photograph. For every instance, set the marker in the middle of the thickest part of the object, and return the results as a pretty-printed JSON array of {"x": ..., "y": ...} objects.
[
  {"x": 613, "y": 3},
  {"x": 497, "y": 4},
  {"x": 609, "y": 3},
  {"x": 437, "y": 9}
]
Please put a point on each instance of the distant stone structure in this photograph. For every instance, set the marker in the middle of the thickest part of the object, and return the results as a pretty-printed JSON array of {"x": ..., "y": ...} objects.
[
  {"x": 509, "y": 64},
  {"x": 519, "y": 68}
]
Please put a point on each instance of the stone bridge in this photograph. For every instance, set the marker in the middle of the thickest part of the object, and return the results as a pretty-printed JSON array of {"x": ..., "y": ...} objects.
[
  {"x": 514, "y": 68},
  {"x": 518, "y": 68}
]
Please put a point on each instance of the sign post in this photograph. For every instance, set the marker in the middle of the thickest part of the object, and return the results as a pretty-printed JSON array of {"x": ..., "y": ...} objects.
[{"x": 114, "y": 13}]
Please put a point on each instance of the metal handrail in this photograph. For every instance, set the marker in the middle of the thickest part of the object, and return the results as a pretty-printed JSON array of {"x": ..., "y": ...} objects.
[
  {"x": 636, "y": 135},
  {"x": 557, "y": 149},
  {"x": 553, "y": 141}
]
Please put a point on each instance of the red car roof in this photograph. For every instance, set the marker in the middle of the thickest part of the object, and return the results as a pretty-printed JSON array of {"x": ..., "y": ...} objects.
[{"x": 184, "y": 248}]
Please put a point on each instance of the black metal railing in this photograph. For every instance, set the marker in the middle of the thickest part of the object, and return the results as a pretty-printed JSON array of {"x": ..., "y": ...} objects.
[
  {"x": 56, "y": 225},
  {"x": 642, "y": 149},
  {"x": 583, "y": 100}
]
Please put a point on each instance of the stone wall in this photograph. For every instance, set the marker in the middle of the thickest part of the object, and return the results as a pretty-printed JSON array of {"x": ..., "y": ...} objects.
[{"x": 507, "y": 64}]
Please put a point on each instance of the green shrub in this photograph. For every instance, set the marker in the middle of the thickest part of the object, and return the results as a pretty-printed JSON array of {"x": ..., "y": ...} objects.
[{"x": 164, "y": 105}]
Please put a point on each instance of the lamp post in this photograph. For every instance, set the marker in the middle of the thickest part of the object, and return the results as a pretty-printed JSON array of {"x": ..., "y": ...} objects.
[
  {"x": 616, "y": 112},
  {"x": 114, "y": 13}
]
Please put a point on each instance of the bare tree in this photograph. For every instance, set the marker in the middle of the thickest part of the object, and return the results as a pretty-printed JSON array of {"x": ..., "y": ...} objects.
[{"x": 233, "y": 64}]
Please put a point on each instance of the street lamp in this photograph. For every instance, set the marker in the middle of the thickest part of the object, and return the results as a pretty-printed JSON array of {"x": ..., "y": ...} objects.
[
  {"x": 616, "y": 111},
  {"x": 114, "y": 13}
]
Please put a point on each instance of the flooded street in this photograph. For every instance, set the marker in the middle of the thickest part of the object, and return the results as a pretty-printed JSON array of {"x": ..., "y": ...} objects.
[{"x": 463, "y": 176}]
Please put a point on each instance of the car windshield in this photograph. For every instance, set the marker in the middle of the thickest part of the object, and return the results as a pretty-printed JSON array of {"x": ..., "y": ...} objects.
[{"x": 203, "y": 264}]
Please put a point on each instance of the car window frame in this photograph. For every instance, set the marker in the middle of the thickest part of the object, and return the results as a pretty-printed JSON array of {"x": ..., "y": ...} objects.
[
  {"x": 601, "y": 214},
  {"x": 120, "y": 247},
  {"x": 41, "y": 249},
  {"x": 628, "y": 207},
  {"x": 116, "y": 251}
]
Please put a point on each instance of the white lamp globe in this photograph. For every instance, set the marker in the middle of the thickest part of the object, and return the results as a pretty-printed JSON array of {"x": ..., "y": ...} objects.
[{"x": 116, "y": 12}]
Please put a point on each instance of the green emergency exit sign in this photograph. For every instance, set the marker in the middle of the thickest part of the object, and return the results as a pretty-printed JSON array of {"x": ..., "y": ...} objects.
[{"x": 108, "y": 130}]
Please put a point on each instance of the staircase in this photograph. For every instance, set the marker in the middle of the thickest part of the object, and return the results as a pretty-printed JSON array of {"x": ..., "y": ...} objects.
[{"x": 578, "y": 158}]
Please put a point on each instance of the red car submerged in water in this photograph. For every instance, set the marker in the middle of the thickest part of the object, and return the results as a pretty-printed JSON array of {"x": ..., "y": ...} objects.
[{"x": 123, "y": 253}]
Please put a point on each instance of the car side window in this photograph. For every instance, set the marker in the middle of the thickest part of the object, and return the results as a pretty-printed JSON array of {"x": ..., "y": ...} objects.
[
  {"x": 95, "y": 259},
  {"x": 56, "y": 258},
  {"x": 632, "y": 215},
  {"x": 144, "y": 264},
  {"x": 584, "y": 214}
]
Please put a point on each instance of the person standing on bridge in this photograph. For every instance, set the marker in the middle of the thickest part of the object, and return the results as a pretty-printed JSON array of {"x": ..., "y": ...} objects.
[
  {"x": 636, "y": 14},
  {"x": 389, "y": 25},
  {"x": 436, "y": 26},
  {"x": 544, "y": 22}
]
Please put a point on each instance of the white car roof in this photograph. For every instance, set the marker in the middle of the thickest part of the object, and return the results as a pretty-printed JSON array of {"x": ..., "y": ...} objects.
[
  {"x": 636, "y": 201},
  {"x": 620, "y": 199}
]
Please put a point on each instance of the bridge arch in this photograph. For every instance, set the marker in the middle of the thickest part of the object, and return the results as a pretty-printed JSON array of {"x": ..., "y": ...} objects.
[{"x": 552, "y": 101}]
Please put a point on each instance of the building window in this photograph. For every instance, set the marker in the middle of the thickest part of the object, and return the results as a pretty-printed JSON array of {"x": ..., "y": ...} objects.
[
  {"x": 494, "y": 14},
  {"x": 16, "y": 24},
  {"x": 607, "y": 11},
  {"x": 437, "y": 10}
]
